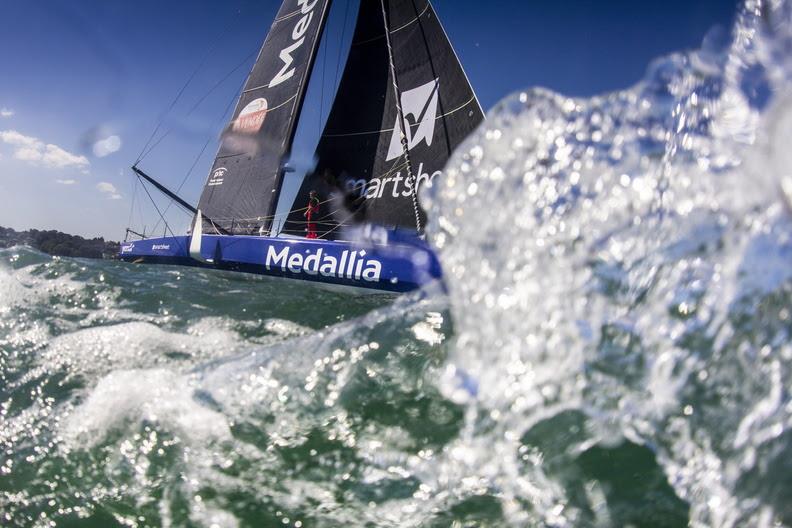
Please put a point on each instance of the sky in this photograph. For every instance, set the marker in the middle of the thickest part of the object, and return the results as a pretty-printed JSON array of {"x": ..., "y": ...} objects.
[{"x": 85, "y": 83}]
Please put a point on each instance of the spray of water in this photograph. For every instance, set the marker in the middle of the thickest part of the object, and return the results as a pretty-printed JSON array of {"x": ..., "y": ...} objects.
[{"x": 618, "y": 272}]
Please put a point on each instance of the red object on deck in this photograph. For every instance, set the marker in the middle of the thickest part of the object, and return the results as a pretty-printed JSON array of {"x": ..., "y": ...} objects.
[{"x": 312, "y": 210}]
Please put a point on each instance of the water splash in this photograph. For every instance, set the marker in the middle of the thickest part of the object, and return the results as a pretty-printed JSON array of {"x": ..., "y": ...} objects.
[{"x": 635, "y": 274}]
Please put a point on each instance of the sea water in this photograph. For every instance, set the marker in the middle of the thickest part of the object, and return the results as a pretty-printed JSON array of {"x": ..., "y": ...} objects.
[{"x": 611, "y": 348}]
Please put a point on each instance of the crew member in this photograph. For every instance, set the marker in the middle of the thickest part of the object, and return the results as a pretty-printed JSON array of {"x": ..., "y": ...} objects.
[{"x": 311, "y": 213}]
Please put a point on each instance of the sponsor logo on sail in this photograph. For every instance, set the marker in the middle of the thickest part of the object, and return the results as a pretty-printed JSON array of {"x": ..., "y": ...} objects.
[
  {"x": 350, "y": 265},
  {"x": 218, "y": 176},
  {"x": 298, "y": 39},
  {"x": 251, "y": 118},
  {"x": 395, "y": 185},
  {"x": 421, "y": 104}
]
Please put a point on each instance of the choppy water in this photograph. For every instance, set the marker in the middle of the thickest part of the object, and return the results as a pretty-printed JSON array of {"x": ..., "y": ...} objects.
[{"x": 614, "y": 347}]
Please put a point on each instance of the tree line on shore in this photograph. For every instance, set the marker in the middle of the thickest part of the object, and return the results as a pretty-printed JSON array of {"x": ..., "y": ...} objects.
[{"x": 60, "y": 244}]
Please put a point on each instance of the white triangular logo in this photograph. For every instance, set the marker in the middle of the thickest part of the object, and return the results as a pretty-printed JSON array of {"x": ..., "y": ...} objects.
[{"x": 421, "y": 104}]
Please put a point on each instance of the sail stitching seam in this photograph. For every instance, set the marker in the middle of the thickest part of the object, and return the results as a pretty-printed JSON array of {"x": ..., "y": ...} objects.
[
  {"x": 287, "y": 16},
  {"x": 473, "y": 99},
  {"x": 411, "y": 22}
]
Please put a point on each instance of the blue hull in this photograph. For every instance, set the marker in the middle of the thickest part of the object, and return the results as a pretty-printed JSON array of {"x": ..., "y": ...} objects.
[{"x": 400, "y": 265}]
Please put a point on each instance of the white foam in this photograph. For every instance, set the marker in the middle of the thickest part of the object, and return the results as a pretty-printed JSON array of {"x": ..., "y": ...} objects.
[{"x": 128, "y": 397}]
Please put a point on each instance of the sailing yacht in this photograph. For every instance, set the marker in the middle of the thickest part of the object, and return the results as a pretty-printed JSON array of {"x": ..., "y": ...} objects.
[{"x": 403, "y": 105}]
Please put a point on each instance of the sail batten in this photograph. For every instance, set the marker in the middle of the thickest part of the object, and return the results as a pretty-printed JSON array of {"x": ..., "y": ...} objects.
[
  {"x": 245, "y": 179},
  {"x": 391, "y": 129}
]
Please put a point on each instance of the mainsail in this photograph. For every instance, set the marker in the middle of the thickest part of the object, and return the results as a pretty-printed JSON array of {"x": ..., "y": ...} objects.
[
  {"x": 242, "y": 188},
  {"x": 365, "y": 156}
]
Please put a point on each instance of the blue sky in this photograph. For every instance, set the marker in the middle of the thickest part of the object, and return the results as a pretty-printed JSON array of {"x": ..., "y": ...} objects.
[{"x": 84, "y": 83}]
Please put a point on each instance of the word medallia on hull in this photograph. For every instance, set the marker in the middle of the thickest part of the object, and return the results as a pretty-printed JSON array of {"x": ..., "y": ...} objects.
[
  {"x": 400, "y": 69},
  {"x": 350, "y": 266}
]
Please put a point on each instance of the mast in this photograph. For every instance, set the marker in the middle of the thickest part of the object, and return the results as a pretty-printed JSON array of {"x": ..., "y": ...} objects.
[
  {"x": 296, "y": 112},
  {"x": 246, "y": 176}
]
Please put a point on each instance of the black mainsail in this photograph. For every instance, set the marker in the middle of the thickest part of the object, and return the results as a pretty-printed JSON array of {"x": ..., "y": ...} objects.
[
  {"x": 241, "y": 192},
  {"x": 368, "y": 160}
]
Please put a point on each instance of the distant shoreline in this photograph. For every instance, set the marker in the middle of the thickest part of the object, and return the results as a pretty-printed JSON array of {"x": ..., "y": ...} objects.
[{"x": 59, "y": 244}]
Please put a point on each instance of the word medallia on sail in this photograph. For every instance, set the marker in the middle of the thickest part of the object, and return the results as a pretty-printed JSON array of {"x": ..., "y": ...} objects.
[{"x": 298, "y": 36}]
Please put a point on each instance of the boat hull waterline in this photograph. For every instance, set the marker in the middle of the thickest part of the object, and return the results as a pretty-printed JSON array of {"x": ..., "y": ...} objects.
[{"x": 396, "y": 268}]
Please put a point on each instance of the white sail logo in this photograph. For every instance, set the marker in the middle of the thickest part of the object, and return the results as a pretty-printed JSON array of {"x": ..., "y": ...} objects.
[
  {"x": 421, "y": 103},
  {"x": 298, "y": 36},
  {"x": 251, "y": 118},
  {"x": 218, "y": 176}
]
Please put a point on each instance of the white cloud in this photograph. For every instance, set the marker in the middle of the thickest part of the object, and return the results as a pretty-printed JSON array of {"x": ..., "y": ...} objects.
[
  {"x": 109, "y": 189},
  {"x": 66, "y": 182},
  {"x": 12, "y": 137},
  {"x": 28, "y": 154},
  {"x": 6, "y": 112},
  {"x": 106, "y": 187},
  {"x": 35, "y": 151},
  {"x": 57, "y": 158},
  {"x": 105, "y": 147}
]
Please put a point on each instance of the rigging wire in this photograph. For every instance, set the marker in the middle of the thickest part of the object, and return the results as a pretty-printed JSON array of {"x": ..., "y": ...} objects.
[
  {"x": 322, "y": 84},
  {"x": 274, "y": 216},
  {"x": 400, "y": 118},
  {"x": 340, "y": 44},
  {"x": 192, "y": 76},
  {"x": 206, "y": 144},
  {"x": 140, "y": 215},
  {"x": 148, "y": 147},
  {"x": 136, "y": 205},
  {"x": 167, "y": 227},
  {"x": 435, "y": 75},
  {"x": 339, "y": 225},
  {"x": 201, "y": 100},
  {"x": 132, "y": 205}
]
